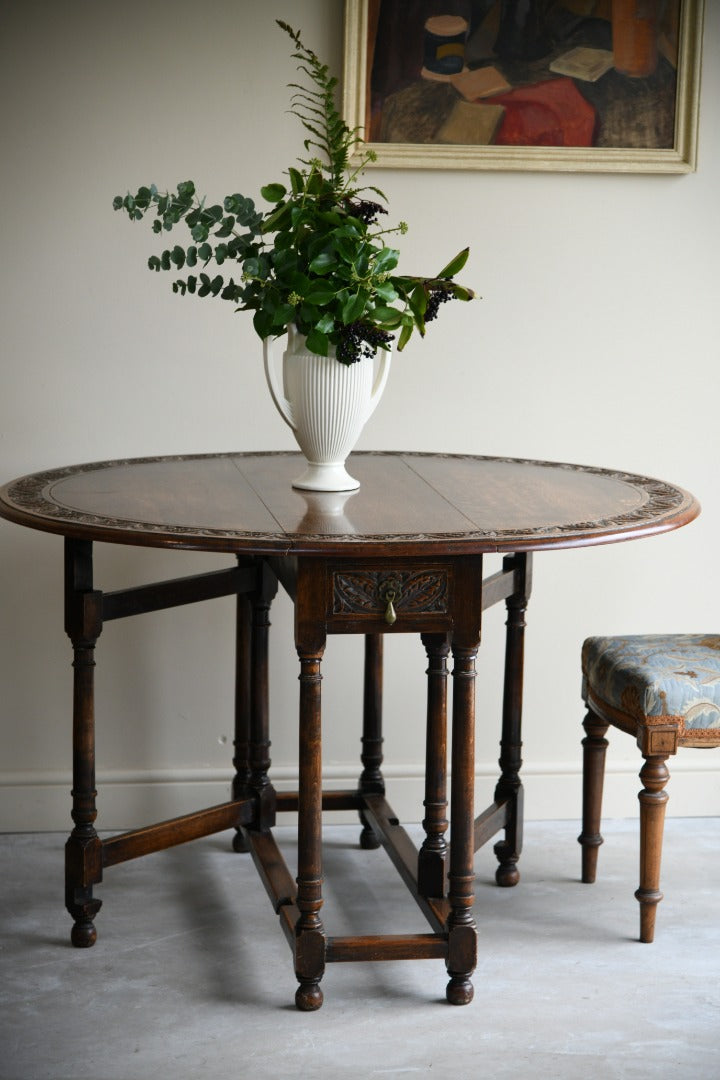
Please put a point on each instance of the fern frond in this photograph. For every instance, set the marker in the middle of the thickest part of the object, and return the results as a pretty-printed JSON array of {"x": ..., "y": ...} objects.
[{"x": 315, "y": 108}]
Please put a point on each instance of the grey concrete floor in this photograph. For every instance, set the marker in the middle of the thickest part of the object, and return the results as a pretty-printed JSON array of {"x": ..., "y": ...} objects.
[{"x": 191, "y": 975}]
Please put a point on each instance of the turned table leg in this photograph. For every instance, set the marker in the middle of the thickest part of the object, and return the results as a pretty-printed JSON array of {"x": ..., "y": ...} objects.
[
  {"x": 309, "y": 932},
  {"x": 243, "y": 700},
  {"x": 371, "y": 779},
  {"x": 509, "y": 786},
  {"x": 83, "y": 851},
  {"x": 259, "y": 747},
  {"x": 462, "y": 937},
  {"x": 433, "y": 853}
]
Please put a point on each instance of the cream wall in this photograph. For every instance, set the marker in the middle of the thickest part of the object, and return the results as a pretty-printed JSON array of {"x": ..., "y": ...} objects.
[{"x": 596, "y": 341}]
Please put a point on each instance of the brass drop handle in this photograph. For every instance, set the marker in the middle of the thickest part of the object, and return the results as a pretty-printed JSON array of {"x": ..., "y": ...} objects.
[{"x": 389, "y": 594}]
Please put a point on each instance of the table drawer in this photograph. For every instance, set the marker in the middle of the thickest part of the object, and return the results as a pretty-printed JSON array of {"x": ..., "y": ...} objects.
[{"x": 397, "y": 596}]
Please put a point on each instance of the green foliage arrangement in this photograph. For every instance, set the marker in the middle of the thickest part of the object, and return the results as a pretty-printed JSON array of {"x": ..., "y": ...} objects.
[{"x": 318, "y": 257}]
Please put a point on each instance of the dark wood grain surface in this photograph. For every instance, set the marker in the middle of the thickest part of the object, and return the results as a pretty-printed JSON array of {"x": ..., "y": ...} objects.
[{"x": 413, "y": 503}]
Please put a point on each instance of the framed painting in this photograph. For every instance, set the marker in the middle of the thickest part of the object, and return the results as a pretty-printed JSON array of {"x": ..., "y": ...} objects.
[{"x": 568, "y": 85}]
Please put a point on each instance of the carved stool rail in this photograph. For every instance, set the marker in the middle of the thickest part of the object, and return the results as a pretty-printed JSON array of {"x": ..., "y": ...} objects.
[
  {"x": 664, "y": 690},
  {"x": 402, "y": 555}
]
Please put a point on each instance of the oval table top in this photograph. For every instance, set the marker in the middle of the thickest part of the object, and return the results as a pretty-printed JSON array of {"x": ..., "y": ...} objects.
[{"x": 407, "y": 503}]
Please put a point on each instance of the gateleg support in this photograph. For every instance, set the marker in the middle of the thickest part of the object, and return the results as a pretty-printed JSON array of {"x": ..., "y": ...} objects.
[
  {"x": 509, "y": 787},
  {"x": 83, "y": 851},
  {"x": 465, "y": 641},
  {"x": 371, "y": 778}
]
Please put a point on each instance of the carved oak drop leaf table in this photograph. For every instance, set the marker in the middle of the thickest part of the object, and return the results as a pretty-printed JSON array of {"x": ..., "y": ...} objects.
[{"x": 403, "y": 554}]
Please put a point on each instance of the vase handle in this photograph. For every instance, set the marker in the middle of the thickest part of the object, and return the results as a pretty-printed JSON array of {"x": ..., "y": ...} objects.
[
  {"x": 282, "y": 404},
  {"x": 380, "y": 380}
]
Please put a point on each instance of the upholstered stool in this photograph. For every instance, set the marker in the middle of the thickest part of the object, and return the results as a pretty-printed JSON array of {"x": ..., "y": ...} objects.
[{"x": 665, "y": 691}]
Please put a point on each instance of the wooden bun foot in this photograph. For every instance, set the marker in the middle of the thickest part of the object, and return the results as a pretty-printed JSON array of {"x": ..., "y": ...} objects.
[
  {"x": 368, "y": 840},
  {"x": 83, "y": 934},
  {"x": 508, "y": 875},
  {"x": 459, "y": 991},
  {"x": 308, "y": 997}
]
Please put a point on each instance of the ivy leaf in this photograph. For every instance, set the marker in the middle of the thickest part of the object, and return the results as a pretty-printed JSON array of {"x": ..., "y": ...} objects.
[
  {"x": 386, "y": 292},
  {"x": 386, "y": 260},
  {"x": 319, "y": 293},
  {"x": 283, "y": 315},
  {"x": 323, "y": 263},
  {"x": 318, "y": 342},
  {"x": 299, "y": 283},
  {"x": 262, "y": 323},
  {"x": 354, "y": 307}
]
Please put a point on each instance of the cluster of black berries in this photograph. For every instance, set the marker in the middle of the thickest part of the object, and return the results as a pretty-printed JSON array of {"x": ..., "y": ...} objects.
[
  {"x": 360, "y": 339},
  {"x": 365, "y": 210},
  {"x": 440, "y": 293}
]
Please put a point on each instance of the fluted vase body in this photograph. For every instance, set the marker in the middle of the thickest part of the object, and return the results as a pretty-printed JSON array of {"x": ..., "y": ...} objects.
[{"x": 326, "y": 404}]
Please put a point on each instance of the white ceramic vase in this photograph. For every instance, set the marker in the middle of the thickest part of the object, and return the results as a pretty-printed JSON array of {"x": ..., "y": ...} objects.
[{"x": 326, "y": 404}]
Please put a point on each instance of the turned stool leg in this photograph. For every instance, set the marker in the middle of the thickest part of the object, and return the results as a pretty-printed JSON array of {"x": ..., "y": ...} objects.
[
  {"x": 594, "y": 750},
  {"x": 653, "y": 798}
]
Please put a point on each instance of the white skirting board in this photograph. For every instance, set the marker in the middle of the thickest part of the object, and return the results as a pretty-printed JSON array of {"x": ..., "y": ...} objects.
[{"x": 40, "y": 801}]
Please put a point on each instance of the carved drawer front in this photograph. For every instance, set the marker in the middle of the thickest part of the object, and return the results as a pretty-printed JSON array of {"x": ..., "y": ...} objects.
[{"x": 390, "y": 594}]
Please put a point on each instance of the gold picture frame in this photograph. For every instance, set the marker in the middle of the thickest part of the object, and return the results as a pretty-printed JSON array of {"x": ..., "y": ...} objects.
[{"x": 361, "y": 24}]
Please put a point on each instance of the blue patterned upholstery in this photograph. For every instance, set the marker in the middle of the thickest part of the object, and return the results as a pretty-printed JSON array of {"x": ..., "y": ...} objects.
[{"x": 646, "y": 679}]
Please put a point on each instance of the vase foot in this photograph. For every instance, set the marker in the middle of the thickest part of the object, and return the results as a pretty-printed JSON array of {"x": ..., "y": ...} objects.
[{"x": 324, "y": 477}]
